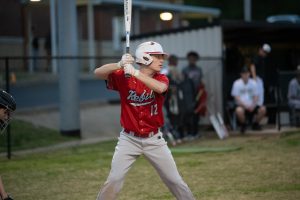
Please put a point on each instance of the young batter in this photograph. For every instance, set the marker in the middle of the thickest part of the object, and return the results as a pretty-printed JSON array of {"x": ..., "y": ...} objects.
[{"x": 142, "y": 97}]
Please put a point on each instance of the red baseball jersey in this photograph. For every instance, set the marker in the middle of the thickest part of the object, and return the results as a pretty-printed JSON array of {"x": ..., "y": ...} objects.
[{"x": 141, "y": 107}]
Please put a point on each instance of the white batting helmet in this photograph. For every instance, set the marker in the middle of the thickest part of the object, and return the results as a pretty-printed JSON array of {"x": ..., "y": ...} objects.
[{"x": 146, "y": 49}]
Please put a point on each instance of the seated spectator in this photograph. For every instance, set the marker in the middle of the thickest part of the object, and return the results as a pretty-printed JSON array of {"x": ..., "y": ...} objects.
[
  {"x": 245, "y": 93},
  {"x": 294, "y": 99}
]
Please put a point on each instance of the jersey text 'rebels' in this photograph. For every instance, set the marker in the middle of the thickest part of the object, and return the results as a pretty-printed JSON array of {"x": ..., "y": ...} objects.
[{"x": 142, "y": 99}]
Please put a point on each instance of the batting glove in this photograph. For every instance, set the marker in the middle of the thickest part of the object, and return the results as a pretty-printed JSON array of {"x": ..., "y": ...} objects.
[
  {"x": 130, "y": 70},
  {"x": 126, "y": 59}
]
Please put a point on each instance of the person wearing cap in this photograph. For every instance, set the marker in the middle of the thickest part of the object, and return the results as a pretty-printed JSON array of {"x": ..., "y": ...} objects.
[
  {"x": 264, "y": 78},
  {"x": 142, "y": 93},
  {"x": 294, "y": 98},
  {"x": 7, "y": 106},
  {"x": 245, "y": 93}
]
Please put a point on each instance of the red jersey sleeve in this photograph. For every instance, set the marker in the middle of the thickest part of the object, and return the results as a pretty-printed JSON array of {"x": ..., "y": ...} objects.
[
  {"x": 162, "y": 78},
  {"x": 113, "y": 80}
]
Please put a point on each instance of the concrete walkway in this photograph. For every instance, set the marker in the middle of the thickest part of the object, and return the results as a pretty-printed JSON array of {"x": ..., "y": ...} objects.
[{"x": 97, "y": 120}]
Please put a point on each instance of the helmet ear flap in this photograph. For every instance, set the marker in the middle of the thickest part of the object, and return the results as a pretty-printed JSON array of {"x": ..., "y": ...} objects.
[{"x": 145, "y": 59}]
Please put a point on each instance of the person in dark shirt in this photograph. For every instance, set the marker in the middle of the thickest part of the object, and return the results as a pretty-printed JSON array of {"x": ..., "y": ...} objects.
[
  {"x": 263, "y": 77},
  {"x": 193, "y": 73}
]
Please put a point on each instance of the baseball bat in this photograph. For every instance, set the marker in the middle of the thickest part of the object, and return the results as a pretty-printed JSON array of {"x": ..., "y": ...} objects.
[{"x": 127, "y": 19}]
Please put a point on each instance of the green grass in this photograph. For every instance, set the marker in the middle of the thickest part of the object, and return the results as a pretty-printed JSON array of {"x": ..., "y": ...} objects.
[
  {"x": 263, "y": 168},
  {"x": 26, "y": 136}
]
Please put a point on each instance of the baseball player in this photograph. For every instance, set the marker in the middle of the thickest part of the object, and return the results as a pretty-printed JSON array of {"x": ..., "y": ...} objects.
[
  {"x": 142, "y": 97},
  {"x": 7, "y": 106}
]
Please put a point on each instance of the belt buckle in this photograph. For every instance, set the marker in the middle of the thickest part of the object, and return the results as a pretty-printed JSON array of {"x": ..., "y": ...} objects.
[
  {"x": 131, "y": 133},
  {"x": 151, "y": 134}
]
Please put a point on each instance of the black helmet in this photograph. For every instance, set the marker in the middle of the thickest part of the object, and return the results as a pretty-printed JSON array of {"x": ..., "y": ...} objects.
[{"x": 7, "y": 101}]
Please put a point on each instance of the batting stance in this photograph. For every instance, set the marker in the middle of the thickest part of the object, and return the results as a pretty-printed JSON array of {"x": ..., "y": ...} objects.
[
  {"x": 7, "y": 106},
  {"x": 142, "y": 97}
]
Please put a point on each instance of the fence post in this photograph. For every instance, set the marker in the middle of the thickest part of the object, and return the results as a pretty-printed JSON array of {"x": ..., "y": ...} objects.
[{"x": 8, "y": 139}]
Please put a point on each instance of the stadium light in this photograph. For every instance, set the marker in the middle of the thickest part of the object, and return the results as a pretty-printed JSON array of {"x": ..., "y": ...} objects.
[{"x": 166, "y": 16}]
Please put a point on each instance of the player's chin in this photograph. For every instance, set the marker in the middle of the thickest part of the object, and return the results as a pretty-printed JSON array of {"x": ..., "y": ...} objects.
[{"x": 159, "y": 69}]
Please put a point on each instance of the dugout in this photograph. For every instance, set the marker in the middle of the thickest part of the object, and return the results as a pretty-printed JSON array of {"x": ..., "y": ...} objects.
[{"x": 241, "y": 41}]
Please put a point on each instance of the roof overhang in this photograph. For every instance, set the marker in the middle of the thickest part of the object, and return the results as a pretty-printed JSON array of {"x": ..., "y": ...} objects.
[
  {"x": 259, "y": 32},
  {"x": 154, "y": 5},
  {"x": 187, "y": 10}
]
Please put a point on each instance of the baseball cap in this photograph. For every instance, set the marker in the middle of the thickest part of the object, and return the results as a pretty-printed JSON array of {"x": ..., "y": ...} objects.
[{"x": 266, "y": 47}]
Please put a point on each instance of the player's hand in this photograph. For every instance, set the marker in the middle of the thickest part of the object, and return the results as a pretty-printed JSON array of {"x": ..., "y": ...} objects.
[
  {"x": 126, "y": 59},
  {"x": 130, "y": 70}
]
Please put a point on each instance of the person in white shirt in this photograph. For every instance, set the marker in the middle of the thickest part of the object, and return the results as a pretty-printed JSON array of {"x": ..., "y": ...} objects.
[
  {"x": 294, "y": 98},
  {"x": 245, "y": 93}
]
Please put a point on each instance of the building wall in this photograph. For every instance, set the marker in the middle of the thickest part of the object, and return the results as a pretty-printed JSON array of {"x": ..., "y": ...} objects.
[
  {"x": 26, "y": 21},
  {"x": 10, "y": 18}
]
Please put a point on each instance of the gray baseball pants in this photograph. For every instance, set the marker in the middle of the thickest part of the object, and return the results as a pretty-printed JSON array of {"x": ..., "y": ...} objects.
[{"x": 156, "y": 151}]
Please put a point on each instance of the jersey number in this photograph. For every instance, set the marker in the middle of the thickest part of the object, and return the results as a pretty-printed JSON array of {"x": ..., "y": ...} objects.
[{"x": 154, "y": 109}]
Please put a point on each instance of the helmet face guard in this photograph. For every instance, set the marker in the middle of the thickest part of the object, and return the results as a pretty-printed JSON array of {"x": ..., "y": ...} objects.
[
  {"x": 5, "y": 117},
  {"x": 145, "y": 50},
  {"x": 7, "y": 106}
]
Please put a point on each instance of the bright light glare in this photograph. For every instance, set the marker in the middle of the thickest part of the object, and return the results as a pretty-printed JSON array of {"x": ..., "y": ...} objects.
[
  {"x": 166, "y": 16},
  {"x": 35, "y": 0}
]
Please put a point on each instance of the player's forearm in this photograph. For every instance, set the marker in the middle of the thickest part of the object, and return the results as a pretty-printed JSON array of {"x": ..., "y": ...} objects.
[
  {"x": 103, "y": 71},
  {"x": 153, "y": 84}
]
